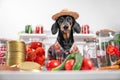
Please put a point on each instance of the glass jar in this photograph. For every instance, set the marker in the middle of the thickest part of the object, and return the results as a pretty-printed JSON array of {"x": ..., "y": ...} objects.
[
  {"x": 113, "y": 48},
  {"x": 102, "y": 57},
  {"x": 2, "y": 52},
  {"x": 89, "y": 51}
]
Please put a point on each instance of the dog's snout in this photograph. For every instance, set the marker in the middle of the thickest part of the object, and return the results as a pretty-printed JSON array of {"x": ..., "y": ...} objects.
[{"x": 65, "y": 27}]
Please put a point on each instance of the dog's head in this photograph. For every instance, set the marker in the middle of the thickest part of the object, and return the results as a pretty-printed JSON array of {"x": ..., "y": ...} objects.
[{"x": 65, "y": 24}]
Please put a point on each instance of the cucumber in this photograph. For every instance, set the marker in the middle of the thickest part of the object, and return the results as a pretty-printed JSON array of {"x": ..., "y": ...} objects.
[
  {"x": 78, "y": 61},
  {"x": 61, "y": 66}
]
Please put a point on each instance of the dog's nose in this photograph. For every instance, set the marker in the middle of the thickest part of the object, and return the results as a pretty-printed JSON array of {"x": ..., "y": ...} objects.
[{"x": 65, "y": 27}]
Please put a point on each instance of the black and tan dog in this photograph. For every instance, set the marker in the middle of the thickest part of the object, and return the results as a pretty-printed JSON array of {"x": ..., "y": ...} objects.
[{"x": 65, "y": 25}]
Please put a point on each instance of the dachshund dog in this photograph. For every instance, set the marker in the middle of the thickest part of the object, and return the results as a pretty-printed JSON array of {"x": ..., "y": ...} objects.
[{"x": 65, "y": 26}]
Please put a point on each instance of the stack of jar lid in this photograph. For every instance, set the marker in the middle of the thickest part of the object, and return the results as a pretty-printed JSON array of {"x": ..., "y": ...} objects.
[
  {"x": 29, "y": 66},
  {"x": 16, "y": 52}
]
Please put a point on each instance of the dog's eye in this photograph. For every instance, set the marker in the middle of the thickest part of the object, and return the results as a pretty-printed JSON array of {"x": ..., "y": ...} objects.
[
  {"x": 60, "y": 21},
  {"x": 69, "y": 19}
]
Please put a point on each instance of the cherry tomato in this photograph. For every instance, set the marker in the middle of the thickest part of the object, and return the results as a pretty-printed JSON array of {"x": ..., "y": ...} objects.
[
  {"x": 69, "y": 64},
  {"x": 31, "y": 56},
  {"x": 28, "y": 49},
  {"x": 40, "y": 44},
  {"x": 87, "y": 64},
  {"x": 35, "y": 45},
  {"x": 40, "y": 51},
  {"x": 52, "y": 64},
  {"x": 40, "y": 60}
]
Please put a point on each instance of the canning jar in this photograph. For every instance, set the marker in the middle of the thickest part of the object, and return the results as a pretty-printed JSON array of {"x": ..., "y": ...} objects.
[
  {"x": 85, "y": 29},
  {"x": 89, "y": 51},
  {"x": 2, "y": 52},
  {"x": 102, "y": 56},
  {"x": 113, "y": 48}
]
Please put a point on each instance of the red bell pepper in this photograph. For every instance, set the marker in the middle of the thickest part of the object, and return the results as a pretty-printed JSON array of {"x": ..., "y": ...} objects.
[{"x": 113, "y": 50}]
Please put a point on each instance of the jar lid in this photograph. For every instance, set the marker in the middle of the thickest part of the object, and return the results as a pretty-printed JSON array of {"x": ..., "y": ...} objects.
[
  {"x": 105, "y": 32},
  {"x": 29, "y": 66},
  {"x": 15, "y": 45},
  {"x": 91, "y": 39}
]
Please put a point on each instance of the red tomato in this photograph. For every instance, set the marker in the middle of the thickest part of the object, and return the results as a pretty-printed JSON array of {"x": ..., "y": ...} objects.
[
  {"x": 40, "y": 44},
  {"x": 35, "y": 45},
  {"x": 28, "y": 49},
  {"x": 87, "y": 64},
  {"x": 69, "y": 64},
  {"x": 52, "y": 64},
  {"x": 40, "y": 51},
  {"x": 31, "y": 56},
  {"x": 40, "y": 60}
]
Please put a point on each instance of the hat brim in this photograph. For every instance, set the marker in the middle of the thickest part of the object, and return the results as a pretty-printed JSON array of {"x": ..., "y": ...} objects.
[{"x": 75, "y": 15}]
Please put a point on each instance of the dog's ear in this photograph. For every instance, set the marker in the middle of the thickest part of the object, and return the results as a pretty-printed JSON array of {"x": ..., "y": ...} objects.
[
  {"x": 76, "y": 27},
  {"x": 54, "y": 28}
]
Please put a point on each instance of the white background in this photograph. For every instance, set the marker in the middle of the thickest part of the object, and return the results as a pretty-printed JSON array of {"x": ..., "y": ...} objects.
[{"x": 15, "y": 14}]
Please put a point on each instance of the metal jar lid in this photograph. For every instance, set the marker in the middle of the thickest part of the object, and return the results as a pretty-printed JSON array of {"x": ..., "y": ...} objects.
[
  {"x": 29, "y": 66},
  {"x": 15, "y": 45},
  {"x": 14, "y": 58}
]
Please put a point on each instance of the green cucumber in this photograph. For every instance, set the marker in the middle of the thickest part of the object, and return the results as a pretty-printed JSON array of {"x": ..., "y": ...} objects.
[
  {"x": 78, "y": 61},
  {"x": 61, "y": 66}
]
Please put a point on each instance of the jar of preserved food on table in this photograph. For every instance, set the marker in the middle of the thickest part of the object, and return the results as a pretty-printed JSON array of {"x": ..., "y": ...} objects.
[
  {"x": 113, "y": 48},
  {"x": 103, "y": 58},
  {"x": 89, "y": 51}
]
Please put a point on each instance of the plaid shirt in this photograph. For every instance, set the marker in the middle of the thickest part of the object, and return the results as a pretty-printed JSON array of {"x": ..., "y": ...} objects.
[{"x": 56, "y": 52}]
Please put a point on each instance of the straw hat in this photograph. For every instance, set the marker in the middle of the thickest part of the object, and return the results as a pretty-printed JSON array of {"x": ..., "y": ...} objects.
[{"x": 65, "y": 12}]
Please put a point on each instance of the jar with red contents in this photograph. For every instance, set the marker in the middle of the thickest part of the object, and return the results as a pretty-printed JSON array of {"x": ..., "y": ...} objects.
[
  {"x": 39, "y": 30},
  {"x": 103, "y": 41},
  {"x": 85, "y": 29},
  {"x": 2, "y": 52},
  {"x": 113, "y": 48}
]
